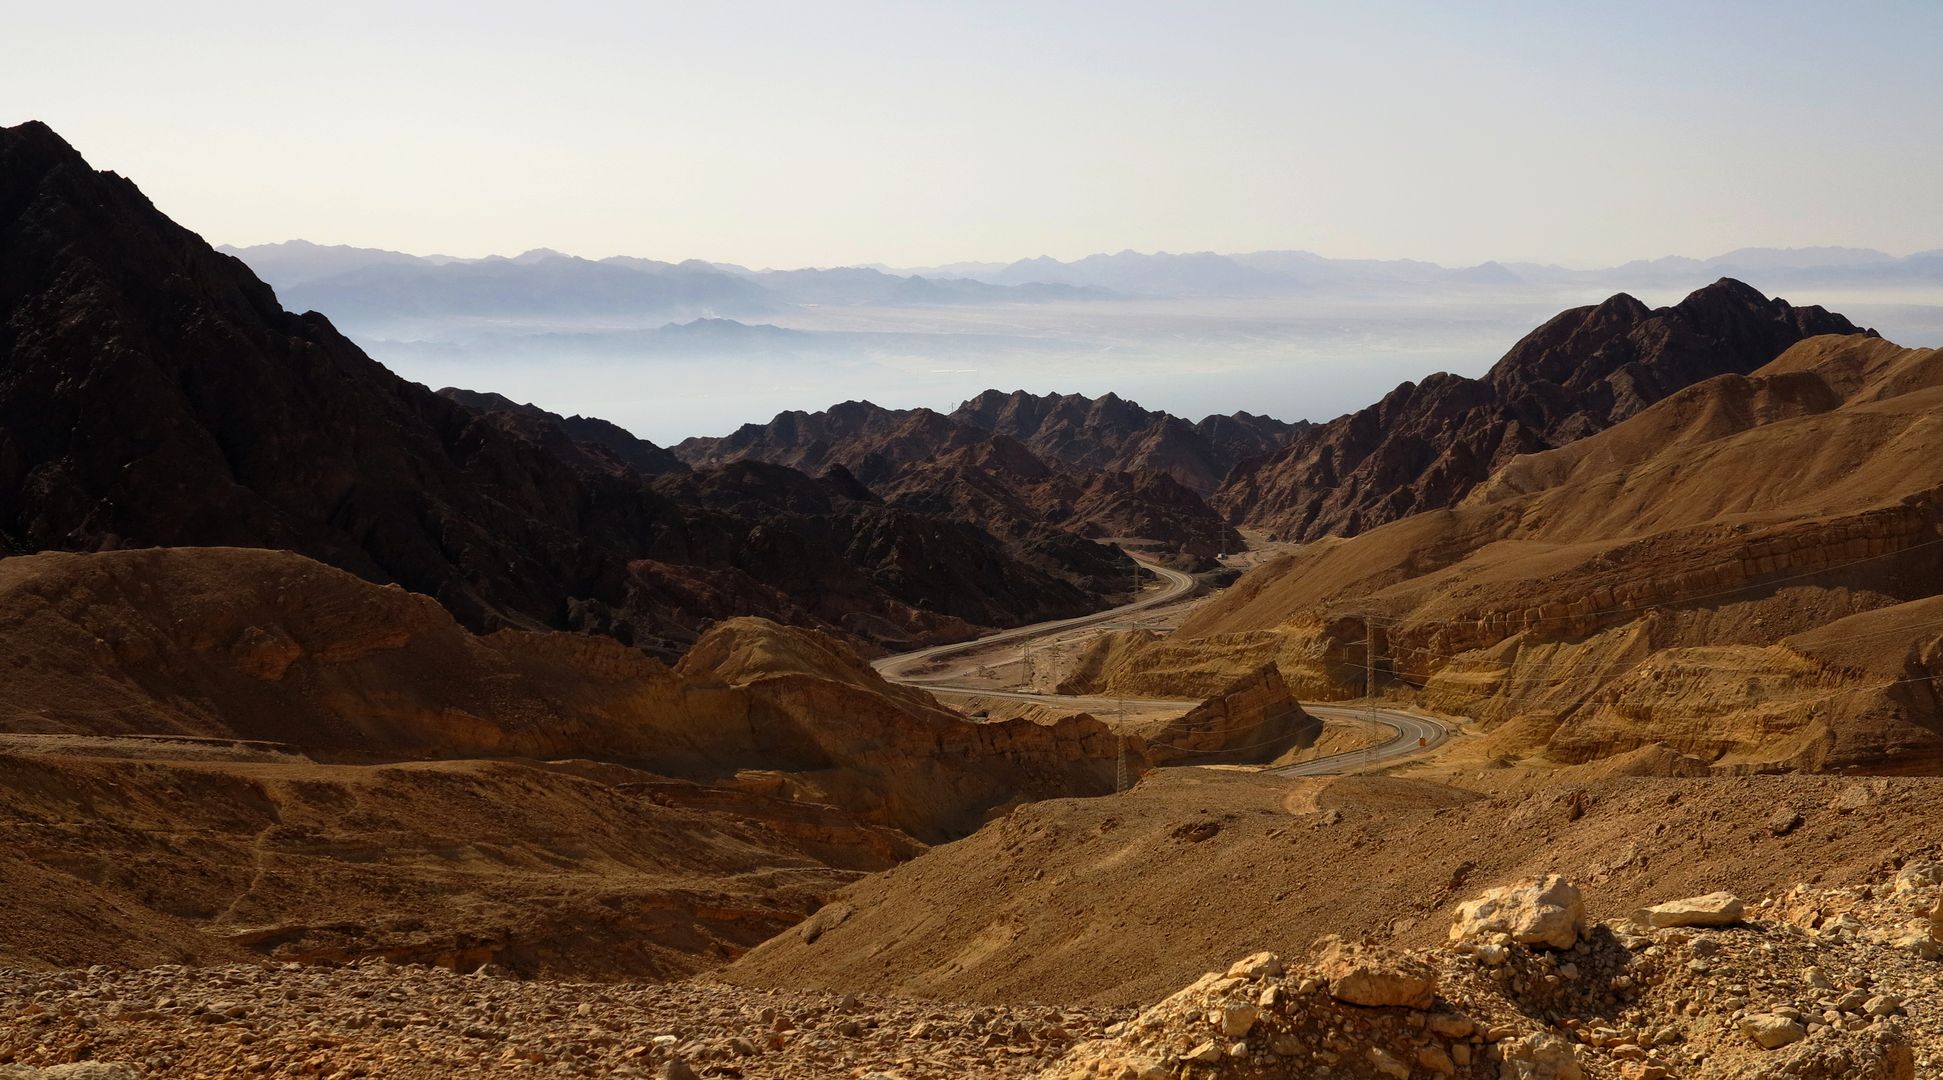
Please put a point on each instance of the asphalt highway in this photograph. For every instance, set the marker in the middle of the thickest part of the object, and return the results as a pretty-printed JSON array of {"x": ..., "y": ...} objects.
[{"x": 1412, "y": 733}]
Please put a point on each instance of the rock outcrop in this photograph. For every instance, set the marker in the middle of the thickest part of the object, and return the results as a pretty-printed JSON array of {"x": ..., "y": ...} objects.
[
  {"x": 1254, "y": 719},
  {"x": 1426, "y": 445},
  {"x": 1711, "y": 910},
  {"x": 1546, "y": 911},
  {"x": 1376, "y": 978},
  {"x": 889, "y": 753}
]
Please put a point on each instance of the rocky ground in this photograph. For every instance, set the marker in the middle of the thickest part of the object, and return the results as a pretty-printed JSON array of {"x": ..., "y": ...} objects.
[
  {"x": 1815, "y": 983},
  {"x": 384, "y": 1020}
]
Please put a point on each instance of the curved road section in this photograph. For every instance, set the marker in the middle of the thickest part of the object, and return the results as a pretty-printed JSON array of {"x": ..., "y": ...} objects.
[
  {"x": 1413, "y": 733},
  {"x": 1176, "y": 586}
]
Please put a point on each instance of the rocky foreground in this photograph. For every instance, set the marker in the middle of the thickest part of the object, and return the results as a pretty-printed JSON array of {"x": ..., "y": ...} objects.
[
  {"x": 383, "y": 1020},
  {"x": 1816, "y": 983}
]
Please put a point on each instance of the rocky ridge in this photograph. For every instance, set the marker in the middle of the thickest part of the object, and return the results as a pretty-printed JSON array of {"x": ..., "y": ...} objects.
[
  {"x": 922, "y": 460},
  {"x": 591, "y": 432},
  {"x": 1426, "y": 445},
  {"x": 1112, "y": 434}
]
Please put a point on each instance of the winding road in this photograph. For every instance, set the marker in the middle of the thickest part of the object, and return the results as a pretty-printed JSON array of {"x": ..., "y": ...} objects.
[
  {"x": 897, "y": 668},
  {"x": 1413, "y": 733}
]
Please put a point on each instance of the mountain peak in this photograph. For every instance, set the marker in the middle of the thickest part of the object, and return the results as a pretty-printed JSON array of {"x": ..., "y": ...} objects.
[{"x": 1580, "y": 372}]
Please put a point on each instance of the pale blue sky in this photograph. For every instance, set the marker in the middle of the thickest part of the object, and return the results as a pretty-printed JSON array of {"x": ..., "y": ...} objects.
[{"x": 908, "y": 133}]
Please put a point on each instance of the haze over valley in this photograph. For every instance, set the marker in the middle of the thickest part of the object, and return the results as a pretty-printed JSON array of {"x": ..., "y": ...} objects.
[{"x": 644, "y": 343}]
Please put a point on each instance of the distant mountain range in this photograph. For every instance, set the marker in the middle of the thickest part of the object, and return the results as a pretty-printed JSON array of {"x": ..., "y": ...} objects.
[
  {"x": 363, "y": 284},
  {"x": 367, "y": 285}
]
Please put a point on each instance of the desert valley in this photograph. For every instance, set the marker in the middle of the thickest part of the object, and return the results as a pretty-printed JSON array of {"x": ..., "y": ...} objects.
[{"x": 368, "y": 710}]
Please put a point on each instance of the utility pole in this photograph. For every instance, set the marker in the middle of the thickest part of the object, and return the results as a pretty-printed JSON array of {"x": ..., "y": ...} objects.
[
  {"x": 1369, "y": 659},
  {"x": 1369, "y": 680},
  {"x": 1120, "y": 750}
]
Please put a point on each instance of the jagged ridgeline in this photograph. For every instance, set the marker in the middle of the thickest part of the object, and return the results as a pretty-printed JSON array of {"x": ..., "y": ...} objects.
[
  {"x": 156, "y": 393},
  {"x": 1426, "y": 445},
  {"x": 1020, "y": 464}
]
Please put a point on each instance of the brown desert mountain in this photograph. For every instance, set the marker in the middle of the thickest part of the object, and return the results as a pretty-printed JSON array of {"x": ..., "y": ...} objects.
[
  {"x": 1745, "y": 572},
  {"x": 156, "y": 394},
  {"x": 228, "y": 729},
  {"x": 1426, "y": 445}
]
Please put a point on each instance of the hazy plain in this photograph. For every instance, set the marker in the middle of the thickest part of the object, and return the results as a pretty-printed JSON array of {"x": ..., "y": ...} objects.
[{"x": 1289, "y": 357}]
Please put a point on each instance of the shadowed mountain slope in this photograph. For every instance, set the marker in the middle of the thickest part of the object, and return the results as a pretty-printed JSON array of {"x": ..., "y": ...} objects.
[
  {"x": 636, "y": 453},
  {"x": 155, "y": 393}
]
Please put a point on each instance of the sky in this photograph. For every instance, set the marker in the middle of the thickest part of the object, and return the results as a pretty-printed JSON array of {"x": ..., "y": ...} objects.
[{"x": 917, "y": 133}]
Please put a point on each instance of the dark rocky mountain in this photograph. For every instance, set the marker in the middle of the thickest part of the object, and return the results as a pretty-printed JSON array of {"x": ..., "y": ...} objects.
[
  {"x": 865, "y": 438},
  {"x": 1112, "y": 433},
  {"x": 154, "y": 393},
  {"x": 920, "y": 458},
  {"x": 590, "y": 432},
  {"x": 1427, "y": 444},
  {"x": 1003, "y": 487},
  {"x": 1238, "y": 436}
]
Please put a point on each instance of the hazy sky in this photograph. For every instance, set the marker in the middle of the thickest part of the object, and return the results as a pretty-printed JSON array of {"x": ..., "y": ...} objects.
[{"x": 910, "y": 132}]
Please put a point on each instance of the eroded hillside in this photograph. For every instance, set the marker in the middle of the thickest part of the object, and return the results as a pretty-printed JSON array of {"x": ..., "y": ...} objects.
[
  {"x": 1745, "y": 572},
  {"x": 216, "y": 754}
]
